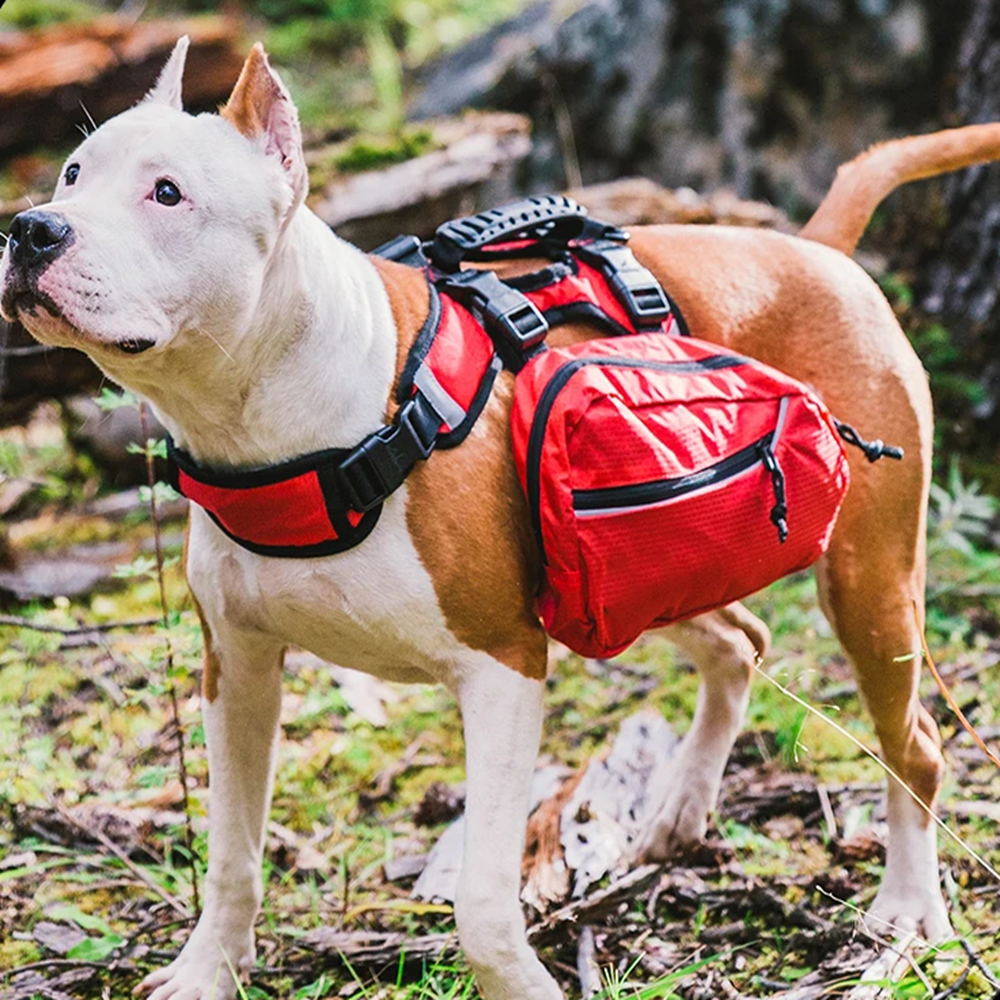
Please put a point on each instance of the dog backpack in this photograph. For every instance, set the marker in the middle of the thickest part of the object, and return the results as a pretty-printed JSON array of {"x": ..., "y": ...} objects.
[{"x": 664, "y": 475}]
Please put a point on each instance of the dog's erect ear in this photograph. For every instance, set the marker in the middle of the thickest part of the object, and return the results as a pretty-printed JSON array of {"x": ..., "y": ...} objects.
[
  {"x": 261, "y": 107},
  {"x": 167, "y": 89}
]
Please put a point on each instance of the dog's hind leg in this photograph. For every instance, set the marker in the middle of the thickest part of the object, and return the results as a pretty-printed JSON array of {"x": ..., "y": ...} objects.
[
  {"x": 502, "y": 718},
  {"x": 871, "y": 586},
  {"x": 241, "y": 712},
  {"x": 724, "y": 645}
]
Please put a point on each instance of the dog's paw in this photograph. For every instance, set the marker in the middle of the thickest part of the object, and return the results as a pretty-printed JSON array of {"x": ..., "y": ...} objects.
[
  {"x": 680, "y": 825},
  {"x": 198, "y": 973},
  {"x": 922, "y": 912}
]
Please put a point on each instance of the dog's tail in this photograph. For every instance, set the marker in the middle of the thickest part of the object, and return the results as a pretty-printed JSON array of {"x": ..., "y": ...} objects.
[{"x": 862, "y": 183}]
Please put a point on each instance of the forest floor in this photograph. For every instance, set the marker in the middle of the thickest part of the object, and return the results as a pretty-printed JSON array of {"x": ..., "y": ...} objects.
[{"x": 96, "y": 872}]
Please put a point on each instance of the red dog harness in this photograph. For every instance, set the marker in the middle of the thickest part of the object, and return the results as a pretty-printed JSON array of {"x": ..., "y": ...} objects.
[
  {"x": 329, "y": 501},
  {"x": 616, "y": 466}
]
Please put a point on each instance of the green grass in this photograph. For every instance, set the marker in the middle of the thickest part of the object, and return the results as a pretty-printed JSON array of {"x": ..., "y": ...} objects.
[{"x": 92, "y": 724}]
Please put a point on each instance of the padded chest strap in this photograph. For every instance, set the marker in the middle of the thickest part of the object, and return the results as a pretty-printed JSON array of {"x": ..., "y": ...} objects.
[{"x": 316, "y": 505}]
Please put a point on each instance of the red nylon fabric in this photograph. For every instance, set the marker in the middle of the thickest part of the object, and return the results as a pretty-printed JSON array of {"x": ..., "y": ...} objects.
[
  {"x": 290, "y": 512},
  {"x": 461, "y": 350},
  {"x": 460, "y": 353},
  {"x": 613, "y": 572},
  {"x": 587, "y": 285}
]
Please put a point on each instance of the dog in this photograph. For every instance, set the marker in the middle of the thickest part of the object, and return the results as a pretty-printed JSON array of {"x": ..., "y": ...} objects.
[{"x": 177, "y": 252}]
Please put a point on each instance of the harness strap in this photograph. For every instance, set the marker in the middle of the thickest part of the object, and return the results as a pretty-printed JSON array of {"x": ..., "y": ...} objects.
[
  {"x": 512, "y": 320},
  {"x": 378, "y": 466},
  {"x": 329, "y": 501}
]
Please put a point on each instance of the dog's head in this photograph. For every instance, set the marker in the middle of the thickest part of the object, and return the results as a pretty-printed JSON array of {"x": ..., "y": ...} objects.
[{"x": 163, "y": 224}]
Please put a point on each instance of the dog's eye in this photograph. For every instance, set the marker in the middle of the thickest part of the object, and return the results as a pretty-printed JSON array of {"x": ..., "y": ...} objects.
[
  {"x": 167, "y": 193},
  {"x": 72, "y": 172}
]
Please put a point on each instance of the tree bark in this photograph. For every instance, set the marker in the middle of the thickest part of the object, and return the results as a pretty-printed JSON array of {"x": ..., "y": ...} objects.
[{"x": 961, "y": 276}]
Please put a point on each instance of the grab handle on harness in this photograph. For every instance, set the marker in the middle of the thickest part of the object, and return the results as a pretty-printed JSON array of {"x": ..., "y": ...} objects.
[
  {"x": 543, "y": 217},
  {"x": 634, "y": 285},
  {"x": 510, "y": 318}
]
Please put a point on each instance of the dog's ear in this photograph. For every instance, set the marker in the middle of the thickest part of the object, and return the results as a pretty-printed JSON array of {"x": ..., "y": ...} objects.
[
  {"x": 167, "y": 89},
  {"x": 261, "y": 107}
]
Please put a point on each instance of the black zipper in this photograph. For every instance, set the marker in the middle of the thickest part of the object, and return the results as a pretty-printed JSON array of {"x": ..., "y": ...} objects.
[
  {"x": 536, "y": 437},
  {"x": 659, "y": 490}
]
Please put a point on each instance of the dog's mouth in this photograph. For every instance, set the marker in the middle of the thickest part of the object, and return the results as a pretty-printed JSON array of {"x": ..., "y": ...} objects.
[
  {"x": 28, "y": 302},
  {"x": 134, "y": 345}
]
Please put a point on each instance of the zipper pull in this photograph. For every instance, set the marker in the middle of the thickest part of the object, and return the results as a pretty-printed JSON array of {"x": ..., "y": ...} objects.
[
  {"x": 874, "y": 450},
  {"x": 779, "y": 512}
]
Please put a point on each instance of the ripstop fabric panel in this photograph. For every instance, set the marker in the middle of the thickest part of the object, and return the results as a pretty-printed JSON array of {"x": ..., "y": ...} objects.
[{"x": 646, "y": 465}]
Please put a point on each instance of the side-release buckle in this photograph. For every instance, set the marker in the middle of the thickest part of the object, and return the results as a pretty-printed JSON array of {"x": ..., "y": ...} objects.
[
  {"x": 634, "y": 285},
  {"x": 508, "y": 315},
  {"x": 378, "y": 466},
  {"x": 404, "y": 250}
]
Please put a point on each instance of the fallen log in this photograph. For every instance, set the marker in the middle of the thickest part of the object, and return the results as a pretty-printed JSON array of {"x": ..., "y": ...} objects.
[
  {"x": 363, "y": 948},
  {"x": 471, "y": 165},
  {"x": 106, "y": 66}
]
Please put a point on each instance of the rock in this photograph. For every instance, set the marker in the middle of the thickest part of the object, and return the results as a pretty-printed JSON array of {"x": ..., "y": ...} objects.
[
  {"x": 766, "y": 97},
  {"x": 473, "y": 167}
]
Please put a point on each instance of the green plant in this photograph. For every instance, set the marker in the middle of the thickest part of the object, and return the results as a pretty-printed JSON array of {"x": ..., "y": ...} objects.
[
  {"x": 960, "y": 514},
  {"x": 39, "y": 13}
]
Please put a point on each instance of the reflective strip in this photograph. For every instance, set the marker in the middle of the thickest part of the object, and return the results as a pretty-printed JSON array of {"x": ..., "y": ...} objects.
[
  {"x": 687, "y": 495},
  {"x": 439, "y": 397},
  {"x": 780, "y": 426}
]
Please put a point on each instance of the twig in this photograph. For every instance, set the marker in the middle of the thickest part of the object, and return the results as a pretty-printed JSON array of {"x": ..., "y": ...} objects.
[
  {"x": 27, "y": 351},
  {"x": 627, "y": 888},
  {"x": 885, "y": 767},
  {"x": 586, "y": 964},
  {"x": 980, "y": 965},
  {"x": 123, "y": 857},
  {"x": 952, "y": 704},
  {"x": 169, "y": 663},
  {"x": 16, "y": 621},
  {"x": 829, "y": 818}
]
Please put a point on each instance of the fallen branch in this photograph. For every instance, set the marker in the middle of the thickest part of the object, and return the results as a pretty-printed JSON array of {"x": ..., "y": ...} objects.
[
  {"x": 359, "y": 948},
  {"x": 123, "y": 857},
  {"x": 598, "y": 904},
  {"x": 17, "y": 621}
]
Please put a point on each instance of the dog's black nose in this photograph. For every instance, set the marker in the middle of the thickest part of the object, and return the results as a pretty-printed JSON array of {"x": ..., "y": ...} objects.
[{"x": 37, "y": 238}]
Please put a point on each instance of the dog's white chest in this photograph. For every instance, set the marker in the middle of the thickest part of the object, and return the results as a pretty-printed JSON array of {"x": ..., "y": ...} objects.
[{"x": 372, "y": 608}]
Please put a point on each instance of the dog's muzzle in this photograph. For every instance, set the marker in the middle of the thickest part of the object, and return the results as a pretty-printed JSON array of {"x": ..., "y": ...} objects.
[{"x": 36, "y": 239}]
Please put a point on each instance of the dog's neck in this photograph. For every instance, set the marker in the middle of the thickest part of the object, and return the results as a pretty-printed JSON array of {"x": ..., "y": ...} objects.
[{"x": 312, "y": 372}]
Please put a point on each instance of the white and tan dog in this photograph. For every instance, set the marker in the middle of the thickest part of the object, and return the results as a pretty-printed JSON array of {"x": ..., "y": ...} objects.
[{"x": 177, "y": 253}]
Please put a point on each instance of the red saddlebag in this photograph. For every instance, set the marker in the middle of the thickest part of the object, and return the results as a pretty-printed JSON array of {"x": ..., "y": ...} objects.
[{"x": 666, "y": 477}]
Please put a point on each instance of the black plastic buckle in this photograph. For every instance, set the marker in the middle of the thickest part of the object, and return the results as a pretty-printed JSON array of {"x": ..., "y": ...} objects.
[
  {"x": 634, "y": 285},
  {"x": 404, "y": 250},
  {"x": 378, "y": 466},
  {"x": 508, "y": 315}
]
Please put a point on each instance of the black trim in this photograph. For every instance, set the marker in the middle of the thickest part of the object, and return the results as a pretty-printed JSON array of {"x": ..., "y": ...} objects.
[
  {"x": 334, "y": 546},
  {"x": 562, "y": 375},
  {"x": 682, "y": 324},
  {"x": 655, "y": 491},
  {"x": 421, "y": 346},
  {"x": 586, "y": 312},
  {"x": 244, "y": 479},
  {"x": 558, "y": 271}
]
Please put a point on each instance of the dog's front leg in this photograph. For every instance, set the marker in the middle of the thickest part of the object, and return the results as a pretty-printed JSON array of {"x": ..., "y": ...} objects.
[
  {"x": 502, "y": 717},
  {"x": 241, "y": 711}
]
